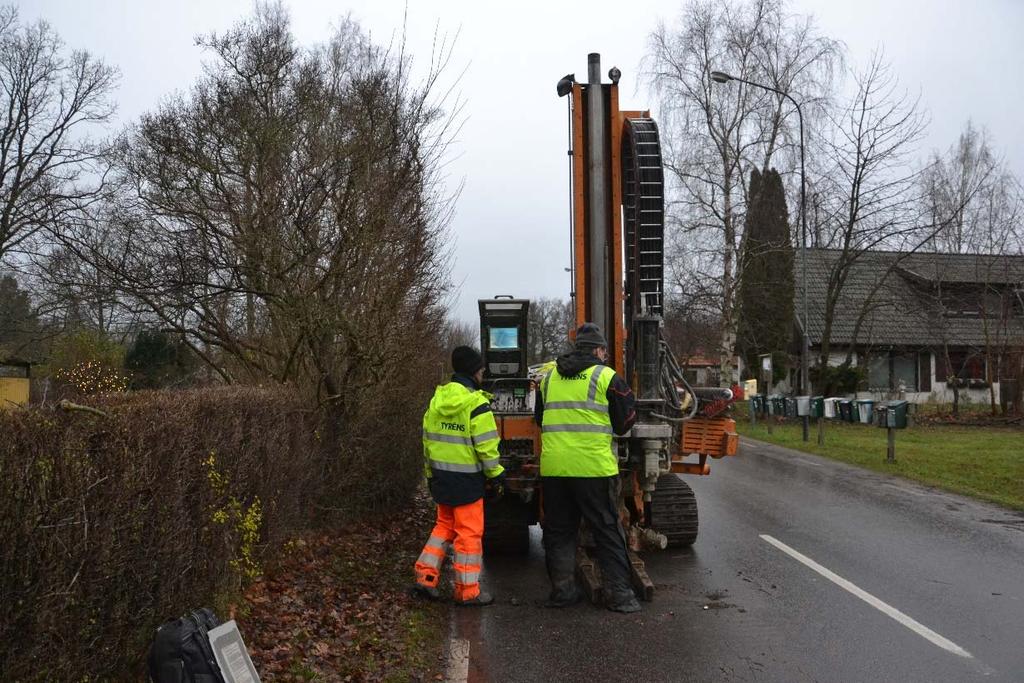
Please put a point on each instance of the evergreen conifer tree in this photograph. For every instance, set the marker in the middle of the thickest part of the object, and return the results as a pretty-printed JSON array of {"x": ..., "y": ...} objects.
[{"x": 766, "y": 288}]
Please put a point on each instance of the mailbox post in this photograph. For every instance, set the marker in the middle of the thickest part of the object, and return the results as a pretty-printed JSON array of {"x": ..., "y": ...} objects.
[
  {"x": 818, "y": 411},
  {"x": 766, "y": 382},
  {"x": 892, "y": 416}
]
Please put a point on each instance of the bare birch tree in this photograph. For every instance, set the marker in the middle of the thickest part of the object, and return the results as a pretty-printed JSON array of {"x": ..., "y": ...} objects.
[{"x": 713, "y": 134}]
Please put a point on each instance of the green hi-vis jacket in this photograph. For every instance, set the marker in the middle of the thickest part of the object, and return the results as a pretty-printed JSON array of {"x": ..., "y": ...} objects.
[
  {"x": 576, "y": 433},
  {"x": 460, "y": 442}
]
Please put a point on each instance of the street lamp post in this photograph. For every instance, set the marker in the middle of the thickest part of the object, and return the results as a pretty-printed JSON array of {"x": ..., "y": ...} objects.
[{"x": 722, "y": 77}]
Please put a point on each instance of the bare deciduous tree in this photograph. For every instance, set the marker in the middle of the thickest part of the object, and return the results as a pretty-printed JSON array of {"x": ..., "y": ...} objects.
[
  {"x": 976, "y": 206},
  {"x": 713, "y": 134},
  {"x": 869, "y": 185},
  {"x": 972, "y": 198},
  {"x": 286, "y": 216},
  {"x": 550, "y": 321},
  {"x": 50, "y": 102}
]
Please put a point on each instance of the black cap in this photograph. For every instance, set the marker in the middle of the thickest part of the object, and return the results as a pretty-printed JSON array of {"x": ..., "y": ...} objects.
[
  {"x": 589, "y": 336},
  {"x": 466, "y": 360}
]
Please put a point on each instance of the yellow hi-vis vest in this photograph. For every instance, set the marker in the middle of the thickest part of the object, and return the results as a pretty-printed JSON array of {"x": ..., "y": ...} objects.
[
  {"x": 576, "y": 431},
  {"x": 455, "y": 440}
]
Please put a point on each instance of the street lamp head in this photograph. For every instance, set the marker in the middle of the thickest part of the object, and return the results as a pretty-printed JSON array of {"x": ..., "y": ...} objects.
[
  {"x": 565, "y": 84},
  {"x": 720, "y": 77}
]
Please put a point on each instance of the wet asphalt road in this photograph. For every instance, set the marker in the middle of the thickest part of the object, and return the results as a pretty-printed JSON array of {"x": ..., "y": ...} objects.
[{"x": 737, "y": 608}]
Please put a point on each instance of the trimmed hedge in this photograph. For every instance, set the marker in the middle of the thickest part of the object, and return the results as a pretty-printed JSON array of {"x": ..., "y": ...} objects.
[{"x": 110, "y": 525}]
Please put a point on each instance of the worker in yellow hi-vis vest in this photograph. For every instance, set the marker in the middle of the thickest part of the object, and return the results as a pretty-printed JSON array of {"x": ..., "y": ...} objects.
[
  {"x": 460, "y": 450},
  {"x": 580, "y": 404}
]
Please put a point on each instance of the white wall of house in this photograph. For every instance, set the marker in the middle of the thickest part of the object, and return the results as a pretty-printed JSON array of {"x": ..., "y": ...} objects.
[{"x": 940, "y": 392}]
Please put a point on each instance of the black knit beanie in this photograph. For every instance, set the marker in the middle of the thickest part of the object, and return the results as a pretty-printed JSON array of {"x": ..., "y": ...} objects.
[
  {"x": 589, "y": 336},
  {"x": 466, "y": 360}
]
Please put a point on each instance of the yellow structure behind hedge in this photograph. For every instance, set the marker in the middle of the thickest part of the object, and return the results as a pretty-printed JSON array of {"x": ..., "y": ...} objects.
[{"x": 14, "y": 384}]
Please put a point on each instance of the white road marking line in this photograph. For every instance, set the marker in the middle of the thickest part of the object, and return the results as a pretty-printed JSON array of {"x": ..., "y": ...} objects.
[
  {"x": 457, "y": 670},
  {"x": 805, "y": 461},
  {"x": 883, "y": 607}
]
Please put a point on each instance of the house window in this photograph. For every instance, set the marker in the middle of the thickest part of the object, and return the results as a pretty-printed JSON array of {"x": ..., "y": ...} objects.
[
  {"x": 964, "y": 364},
  {"x": 904, "y": 371},
  {"x": 887, "y": 372},
  {"x": 878, "y": 372},
  {"x": 1017, "y": 303}
]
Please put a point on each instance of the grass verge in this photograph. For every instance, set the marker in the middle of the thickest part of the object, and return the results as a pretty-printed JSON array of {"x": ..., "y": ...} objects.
[{"x": 983, "y": 462}]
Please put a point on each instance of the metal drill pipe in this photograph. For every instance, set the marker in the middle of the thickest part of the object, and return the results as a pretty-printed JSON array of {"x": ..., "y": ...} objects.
[{"x": 599, "y": 181}]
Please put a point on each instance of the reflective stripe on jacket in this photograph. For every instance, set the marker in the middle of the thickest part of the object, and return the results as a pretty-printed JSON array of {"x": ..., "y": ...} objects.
[
  {"x": 460, "y": 443},
  {"x": 576, "y": 432}
]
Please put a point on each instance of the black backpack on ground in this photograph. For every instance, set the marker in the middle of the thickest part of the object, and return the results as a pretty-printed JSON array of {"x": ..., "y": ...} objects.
[{"x": 181, "y": 651}]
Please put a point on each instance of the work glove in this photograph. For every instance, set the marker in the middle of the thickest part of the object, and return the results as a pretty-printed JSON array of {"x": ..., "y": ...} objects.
[{"x": 494, "y": 489}]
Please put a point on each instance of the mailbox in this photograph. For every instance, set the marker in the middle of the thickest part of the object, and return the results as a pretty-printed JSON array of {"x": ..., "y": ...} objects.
[
  {"x": 896, "y": 414},
  {"x": 817, "y": 406},
  {"x": 832, "y": 408},
  {"x": 803, "y": 406},
  {"x": 789, "y": 406},
  {"x": 758, "y": 404}
]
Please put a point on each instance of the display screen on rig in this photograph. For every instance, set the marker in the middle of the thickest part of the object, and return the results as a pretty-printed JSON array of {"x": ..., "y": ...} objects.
[{"x": 504, "y": 338}]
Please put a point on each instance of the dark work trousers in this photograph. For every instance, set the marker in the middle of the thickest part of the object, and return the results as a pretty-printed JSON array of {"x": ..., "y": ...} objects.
[{"x": 566, "y": 499}]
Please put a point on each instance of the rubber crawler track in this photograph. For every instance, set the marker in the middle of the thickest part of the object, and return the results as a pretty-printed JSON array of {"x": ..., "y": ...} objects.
[{"x": 674, "y": 511}]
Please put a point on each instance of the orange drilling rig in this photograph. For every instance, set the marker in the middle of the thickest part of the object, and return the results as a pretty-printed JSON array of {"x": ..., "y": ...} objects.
[{"x": 618, "y": 230}]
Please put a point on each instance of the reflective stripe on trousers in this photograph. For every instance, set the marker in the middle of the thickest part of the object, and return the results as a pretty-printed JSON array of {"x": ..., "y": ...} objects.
[
  {"x": 463, "y": 527},
  {"x": 433, "y": 553}
]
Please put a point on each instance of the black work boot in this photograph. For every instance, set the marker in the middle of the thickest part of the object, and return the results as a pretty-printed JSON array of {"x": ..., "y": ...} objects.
[
  {"x": 624, "y": 602},
  {"x": 418, "y": 590},
  {"x": 481, "y": 600},
  {"x": 564, "y": 596},
  {"x": 626, "y": 607}
]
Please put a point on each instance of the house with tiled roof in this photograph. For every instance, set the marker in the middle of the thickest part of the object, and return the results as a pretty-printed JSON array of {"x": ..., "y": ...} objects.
[
  {"x": 702, "y": 369},
  {"x": 919, "y": 322}
]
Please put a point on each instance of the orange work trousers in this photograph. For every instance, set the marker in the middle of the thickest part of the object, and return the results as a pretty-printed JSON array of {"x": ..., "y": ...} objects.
[{"x": 463, "y": 527}]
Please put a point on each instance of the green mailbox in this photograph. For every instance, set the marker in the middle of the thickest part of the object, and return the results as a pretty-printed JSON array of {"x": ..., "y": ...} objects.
[
  {"x": 864, "y": 408},
  {"x": 896, "y": 414},
  {"x": 760, "y": 403},
  {"x": 790, "y": 407},
  {"x": 778, "y": 405},
  {"x": 817, "y": 406}
]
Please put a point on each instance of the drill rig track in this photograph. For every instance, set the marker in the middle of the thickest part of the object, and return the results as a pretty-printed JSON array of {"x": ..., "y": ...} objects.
[{"x": 674, "y": 511}]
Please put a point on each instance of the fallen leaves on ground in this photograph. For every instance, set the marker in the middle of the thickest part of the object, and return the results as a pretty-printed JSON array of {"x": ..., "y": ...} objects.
[
  {"x": 969, "y": 419},
  {"x": 336, "y": 606}
]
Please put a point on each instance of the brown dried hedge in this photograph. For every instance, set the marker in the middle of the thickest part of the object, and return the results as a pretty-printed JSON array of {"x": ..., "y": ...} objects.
[{"x": 108, "y": 524}]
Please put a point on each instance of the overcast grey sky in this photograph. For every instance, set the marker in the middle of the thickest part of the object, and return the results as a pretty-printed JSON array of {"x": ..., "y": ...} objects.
[{"x": 511, "y": 224}]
